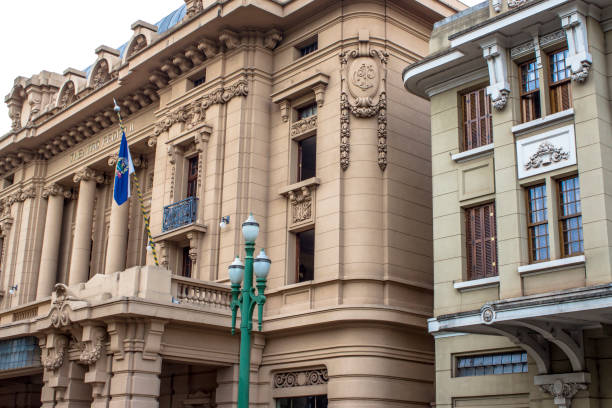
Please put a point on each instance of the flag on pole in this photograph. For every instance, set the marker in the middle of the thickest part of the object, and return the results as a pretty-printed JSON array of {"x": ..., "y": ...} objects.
[{"x": 124, "y": 168}]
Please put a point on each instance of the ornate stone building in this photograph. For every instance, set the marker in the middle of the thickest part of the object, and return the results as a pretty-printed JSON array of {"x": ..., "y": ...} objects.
[
  {"x": 294, "y": 111},
  {"x": 520, "y": 117}
]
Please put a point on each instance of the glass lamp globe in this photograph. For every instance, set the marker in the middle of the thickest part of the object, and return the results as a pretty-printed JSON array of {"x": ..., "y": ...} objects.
[
  {"x": 250, "y": 229},
  {"x": 236, "y": 271},
  {"x": 261, "y": 265}
]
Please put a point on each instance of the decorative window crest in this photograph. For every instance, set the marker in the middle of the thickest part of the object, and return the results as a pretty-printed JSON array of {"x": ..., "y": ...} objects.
[
  {"x": 301, "y": 378},
  {"x": 303, "y": 126},
  {"x": 546, "y": 154},
  {"x": 301, "y": 199},
  {"x": 363, "y": 93}
]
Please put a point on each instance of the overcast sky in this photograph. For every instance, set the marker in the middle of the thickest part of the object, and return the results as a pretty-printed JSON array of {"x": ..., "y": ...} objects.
[{"x": 54, "y": 35}]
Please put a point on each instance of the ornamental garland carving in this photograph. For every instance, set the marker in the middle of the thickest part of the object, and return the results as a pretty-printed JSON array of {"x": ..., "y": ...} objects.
[
  {"x": 55, "y": 355},
  {"x": 90, "y": 355},
  {"x": 301, "y": 378},
  {"x": 546, "y": 154},
  {"x": 303, "y": 126},
  {"x": 195, "y": 112},
  {"x": 363, "y": 94}
]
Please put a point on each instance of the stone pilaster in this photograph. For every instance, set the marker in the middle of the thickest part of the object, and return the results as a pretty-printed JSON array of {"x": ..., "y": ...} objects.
[
  {"x": 81, "y": 246},
  {"x": 94, "y": 357},
  {"x": 136, "y": 363},
  {"x": 47, "y": 275}
]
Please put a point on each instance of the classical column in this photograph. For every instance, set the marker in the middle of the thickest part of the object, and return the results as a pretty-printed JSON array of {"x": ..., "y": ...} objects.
[
  {"x": 53, "y": 228},
  {"x": 81, "y": 245},
  {"x": 117, "y": 233}
]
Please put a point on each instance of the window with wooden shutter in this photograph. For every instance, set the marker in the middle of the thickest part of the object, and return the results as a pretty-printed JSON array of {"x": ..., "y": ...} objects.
[
  {"x": 477, "y": 121},
  {"x": 481, "y": 241},
  {"x": 537, "y": 223},
  {"x": 560, "y": 82},
  {"x": 530, "y": 91}
]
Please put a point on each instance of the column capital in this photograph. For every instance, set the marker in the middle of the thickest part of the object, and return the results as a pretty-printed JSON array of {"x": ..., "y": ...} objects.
[
  {"x": 87, "y": 174},
  {"x": 55, "y": 189}
]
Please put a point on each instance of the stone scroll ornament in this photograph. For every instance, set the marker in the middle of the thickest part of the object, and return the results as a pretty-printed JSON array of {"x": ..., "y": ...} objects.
[{"x": 363, "y": 94}]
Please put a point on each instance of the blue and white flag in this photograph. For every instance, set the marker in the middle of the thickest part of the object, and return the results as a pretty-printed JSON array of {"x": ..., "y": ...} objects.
[{"x": 124, "y": 168}]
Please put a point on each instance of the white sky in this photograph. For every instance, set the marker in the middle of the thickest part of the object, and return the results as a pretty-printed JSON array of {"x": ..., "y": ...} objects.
[{"x": 54, "y": 35}]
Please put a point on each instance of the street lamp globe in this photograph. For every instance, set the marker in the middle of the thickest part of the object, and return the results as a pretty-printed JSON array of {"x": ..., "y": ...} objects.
[
  {"x": 250, "y": 229},
  {"x": 261, "y": 265},
  {"x": 236, "y": 271}
]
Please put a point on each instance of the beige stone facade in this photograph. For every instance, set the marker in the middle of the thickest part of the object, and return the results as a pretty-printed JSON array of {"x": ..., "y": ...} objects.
[
  {"x": 294, "y": 111},
  {"x": 521, "y": 161}
]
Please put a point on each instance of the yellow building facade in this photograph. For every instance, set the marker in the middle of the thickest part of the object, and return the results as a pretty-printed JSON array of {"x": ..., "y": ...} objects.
[
  {"x": 521, "y": 160},
  {"x": 294, "y": 111}
]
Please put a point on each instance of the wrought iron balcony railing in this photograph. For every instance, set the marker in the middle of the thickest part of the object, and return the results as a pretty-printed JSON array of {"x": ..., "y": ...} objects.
[{"x": 180, "y": 213}]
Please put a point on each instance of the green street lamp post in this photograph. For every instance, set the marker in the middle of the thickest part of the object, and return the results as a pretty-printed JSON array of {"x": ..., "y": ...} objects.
[{"x": 246, "y": 299}]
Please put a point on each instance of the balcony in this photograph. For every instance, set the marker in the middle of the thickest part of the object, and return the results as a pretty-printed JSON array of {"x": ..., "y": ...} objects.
[{"x": 179, "y": 214}]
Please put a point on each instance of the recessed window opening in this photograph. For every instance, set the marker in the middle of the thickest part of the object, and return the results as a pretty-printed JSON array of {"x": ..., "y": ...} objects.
[
  {"x": 560, "y": 82},
  {"x": 8, "y": 180},
  {"x": 312, "y": 401},
  {"x": 304, "y": 260},
  {"x": 307, "y": 158},
  {"x": 307, "y": 111},
  {"x": 186, "y": 267},
  {"x": 309, "y": 48},
  {"x": 192, "y": 177},
  {"x": 530, "y": 91},
  {"x": 537, "y": 223},
  {"x": 491, "y": 364},
  {"x": 198, "y": 79}
]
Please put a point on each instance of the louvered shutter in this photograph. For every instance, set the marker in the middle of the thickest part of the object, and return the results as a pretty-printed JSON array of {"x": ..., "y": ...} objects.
[
  {"x": 476, "y": 115},
  {"x": 481, "y": 242}
]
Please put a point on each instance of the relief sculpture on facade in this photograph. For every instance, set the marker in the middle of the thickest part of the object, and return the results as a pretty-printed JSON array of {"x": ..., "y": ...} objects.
[
  {"x": 546, "y": 154},
  {"x": 301, "y": 378},
  {"x": 363, "y": 93}
]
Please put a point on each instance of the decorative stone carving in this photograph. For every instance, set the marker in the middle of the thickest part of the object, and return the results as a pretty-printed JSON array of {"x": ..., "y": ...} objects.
[
  {"x": 138, "y": 44},
  {"x": 302, "y": 202},
  {"x": 496, "y": 4},
  {"x": 284, "y": 110},
  {"x": 87, "y": 174},
  {"x": 208, "y": 47},
  {"x": 301, "y": 378},
  {"x": 272, "y": 38},
  {"x": 555, "y": 37},
  {"x": 54, "y": 189},
  {"x": 91, "y": 351},
  {"x": 547, "y": 154},
  {"x": 303, "y": 126},
  {"x": 579, "y": 58},
  {"x": 229, "y": 38},
  {"x": 499, "y": 88},
  {"x": 522, "y": 50},
  {"x": 363, "y": 93},
  {"x": 487, "y": 313},
  {"x": 195, "y": 112},
  {"x": 100, "y": 74},
  {"x": 67, "y": 95},
  {"x": 14, "y": 101},
  {"x": 193, "y": 7},
  {"x": 516, "y": 3},
  {"x": 563, "y": 392},
  {"x": 55, "y": 355}
]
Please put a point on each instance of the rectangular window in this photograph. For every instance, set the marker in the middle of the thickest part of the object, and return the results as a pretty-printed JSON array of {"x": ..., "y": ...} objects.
[
  {"x": 307, "y": 111},
  {"x": 307, "y": 158},
  {"x": 570, "y": 217},
  {"x": 530, "y": 91},
  {"x": 537, "y": 223},
  {"x": 186, "y": 269},
  {"x": 304, "y": 255},
  {"x": 313, "y": 401},
  {"x": 199, "y": 81},
  {"x": 192, "y": 177},
  {"x": 491, "y": 364},
  {"x": 309, "y": 48},
  {"x": 477, "y": 119},
  {"x": 560, "y": 82},
  {"x": 481, "y": 241}
]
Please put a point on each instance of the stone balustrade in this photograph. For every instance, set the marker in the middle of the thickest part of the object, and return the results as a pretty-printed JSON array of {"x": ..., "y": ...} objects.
[{"x": 192, "y": 291}]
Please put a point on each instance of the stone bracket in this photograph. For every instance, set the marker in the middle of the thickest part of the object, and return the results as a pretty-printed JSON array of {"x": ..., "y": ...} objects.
[
  {"x": 563, "y": 387},
  {"x": 499, "y": 88},
  {"x": 302, "y": 201},
  {"x": 580, "y": 60}
]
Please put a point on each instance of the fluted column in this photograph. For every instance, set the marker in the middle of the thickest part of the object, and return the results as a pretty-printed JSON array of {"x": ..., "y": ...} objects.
[
  {"x": 81, "y": 245},
  {"x": 47, "y": 274}
]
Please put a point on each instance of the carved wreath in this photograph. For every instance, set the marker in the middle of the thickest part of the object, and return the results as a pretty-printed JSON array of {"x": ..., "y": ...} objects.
[{"x": 546, "y": 154}]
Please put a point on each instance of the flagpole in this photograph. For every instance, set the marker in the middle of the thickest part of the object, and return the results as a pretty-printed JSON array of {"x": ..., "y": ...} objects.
[{"x": 142, "y": 207}]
